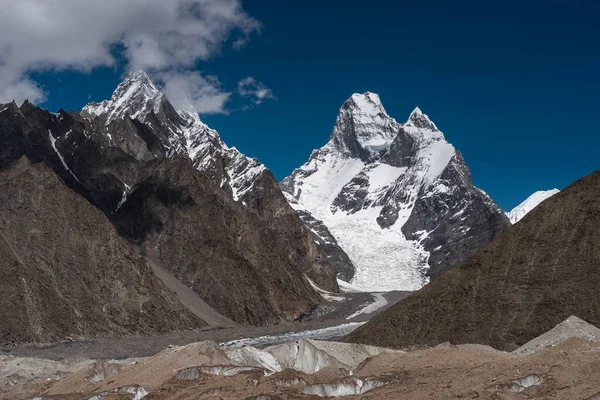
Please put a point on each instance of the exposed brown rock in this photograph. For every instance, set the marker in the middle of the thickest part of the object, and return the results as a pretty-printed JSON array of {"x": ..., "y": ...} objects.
[
  {"x": 246, "y": 257},
  {"x": 242, "y": 267},
  {"x": 64, "y": 270}
]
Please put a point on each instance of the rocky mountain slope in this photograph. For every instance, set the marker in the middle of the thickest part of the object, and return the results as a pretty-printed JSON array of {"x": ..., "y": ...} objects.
[
  {"x": 397, "y": 198},
  {"x": 517, "y": 213},
  {"x": 64, "y": 270},
  {"x": 214, "y": 218},
  {"x": 535, "y": 275}
]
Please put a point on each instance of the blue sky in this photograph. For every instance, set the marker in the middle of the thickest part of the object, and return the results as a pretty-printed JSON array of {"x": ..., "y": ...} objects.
[{"x": 514, "y": 85}]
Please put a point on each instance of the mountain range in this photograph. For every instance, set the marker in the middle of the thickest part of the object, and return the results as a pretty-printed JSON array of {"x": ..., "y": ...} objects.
[
  {"x": 95, "y": 203},
  {"x": 91, "y": 197}
]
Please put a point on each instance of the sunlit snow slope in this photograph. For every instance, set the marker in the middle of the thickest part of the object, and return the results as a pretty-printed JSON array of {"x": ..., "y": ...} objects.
[
  {"x": 397, "y": 197},
  {"x": 517, "y": 213}
]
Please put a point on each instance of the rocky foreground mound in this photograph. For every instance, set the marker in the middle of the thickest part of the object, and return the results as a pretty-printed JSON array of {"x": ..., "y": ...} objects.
[
  {"x": 536, "y": 274},
  {"x": 310, "y": 369}
]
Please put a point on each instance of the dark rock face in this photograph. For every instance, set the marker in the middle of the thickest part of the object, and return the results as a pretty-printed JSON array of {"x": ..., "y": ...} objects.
[
  {"x": 292, "y": 238},
  {"x": 405, "y": 186},
  {"x": 13, "y": 142},
  {"x": 212, "y": 216},
  {"x": 459, "y": 221},
  {"x": 64, "y": 270},
  {"x": 532, "y": 277},
  {"x": 354, "y": 195},
  {"x": 237, "y": 264},
  {"x": 402, "y": 150},
  {"x": 337, "y": 257}
]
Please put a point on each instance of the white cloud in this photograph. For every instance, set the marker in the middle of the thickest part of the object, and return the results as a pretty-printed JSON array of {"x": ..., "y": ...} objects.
[
  {"x": 156, "y": 35},
  {"x": 14, "y": 85},
  {"x": 256, "y": 91},
  {"x": 190, "y": 90}
]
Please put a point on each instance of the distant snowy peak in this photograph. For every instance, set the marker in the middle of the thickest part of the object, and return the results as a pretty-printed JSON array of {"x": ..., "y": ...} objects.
[
  {"x": 420, "y": 120},
  {"x": 134, "y": 97},
  {"x": 517, "y": 213},
  {"x": 180, "y": 132}
]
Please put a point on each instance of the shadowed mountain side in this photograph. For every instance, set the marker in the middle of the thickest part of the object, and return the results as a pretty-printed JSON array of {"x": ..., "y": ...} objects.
[
  {"x": 190, "y": 299},
  {"x": 213, "y": 217},
  {"x": 238, "y": 265},
  {"x": 535, "y": 275},
  {"x": 64, "y": 270}
]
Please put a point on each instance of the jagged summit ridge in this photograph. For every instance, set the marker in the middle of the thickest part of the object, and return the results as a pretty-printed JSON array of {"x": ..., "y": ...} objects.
[
  {"x": 363, "y": 128},
  {"x": 394, "y": 196},
  {"x": 134, "y": 97},
  {"x": 180, "y": 131},
  {"x": 420, "y": 120}
]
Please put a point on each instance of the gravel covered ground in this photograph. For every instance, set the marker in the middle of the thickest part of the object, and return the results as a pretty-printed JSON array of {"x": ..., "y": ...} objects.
[
  {"x": 332, "y": 314},
  {"x": 567, "y": 370}
]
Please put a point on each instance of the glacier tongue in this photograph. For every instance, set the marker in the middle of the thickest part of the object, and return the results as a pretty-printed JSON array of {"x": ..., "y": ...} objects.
[{"x": 392, "y": 195}]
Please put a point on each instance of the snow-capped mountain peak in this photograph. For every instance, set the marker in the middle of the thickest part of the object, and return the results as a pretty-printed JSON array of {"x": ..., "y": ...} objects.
[
  {"x": 134, "y": 97},
  {"x": 394, "y": 196},
  {"x": 517, "y": 213},
  {"x": 420, "y": 120},
  {"x": 416, "y": 111},
  {"x": 367, "y": 103},
  {"x": 363, "y": 128},
  {"x": 180, "y": 131}
]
